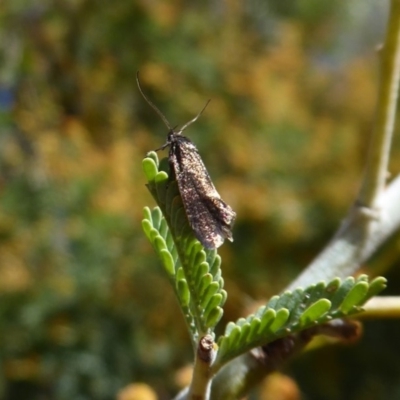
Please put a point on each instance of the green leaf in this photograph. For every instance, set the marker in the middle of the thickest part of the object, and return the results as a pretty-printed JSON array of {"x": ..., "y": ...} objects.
[
  {"x": 224, "y": 295},
  {"x": 150, "y": 169},
  {"x": 196, "y": 249},
  {"x": 146, "y": 226},
  {"x": 164, "y": 165},
  {"x": 161, "y": 177},
  {"x": 201, "y": 270},
  {"x": 282, "y": 316},
  {"x": 168, "y": 262},
  {"x": 267, "y": 319},
  {"x": 293, "y": 312},
  {"x": 160, "y": 244},
  {"x": 209, "y": 292},
  {"x": 234, "y": 336},
  {"x": 163, "y": 229},
  {"x": 245, "y": 333},
  {"x": 156, "y": 217},
  {"x": 341, "y": 292},
  {"x": 153, "y": 235},
  {"x": 169, "y": 240},
  {"x": 229, "y": 327},
  {"x": 213, "y": 302},
  {"x": 179, "y": 224},
  {"x": 205, "y": 282},
  {"x": 180, "y": 274},
  {"x": 199, "y": 258},
  {"x": 354, "y": 297},
  {"x": 314, "y": 312},
  {"x": 161, "y": 181},
  {"x": 376, "y": 286},
  {"x": 183, "y": 291},
  {"x": 213, "y": 316},
  {"x": 147, "y": 214},
  {"x": 152, "y": 155},
  {"x": 333, "y": 285},
  {"x": 171, "y": 196},
  {"x": 255, "y": 326},
  {"x": 194, "y": 272}
]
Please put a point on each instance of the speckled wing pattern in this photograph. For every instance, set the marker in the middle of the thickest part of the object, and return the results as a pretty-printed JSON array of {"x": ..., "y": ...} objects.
[{"x": 209, "y": 216}]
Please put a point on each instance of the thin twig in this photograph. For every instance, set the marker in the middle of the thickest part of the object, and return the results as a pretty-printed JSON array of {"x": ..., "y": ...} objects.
[{"x": 382, "y": 307}]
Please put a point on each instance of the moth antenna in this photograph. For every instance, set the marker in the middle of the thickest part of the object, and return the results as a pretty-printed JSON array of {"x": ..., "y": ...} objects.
[
  {"x": 154, "y": 107},
  {"x": 195, "y": 118}
]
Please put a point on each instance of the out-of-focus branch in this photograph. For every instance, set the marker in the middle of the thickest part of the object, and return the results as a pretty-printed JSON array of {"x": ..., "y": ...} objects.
[
  {"x": 343, "y": 256},
  {"x": 378, "y": 158},
  {"x": 381, "y": 307},
  {"x": 375, "y": 214}
]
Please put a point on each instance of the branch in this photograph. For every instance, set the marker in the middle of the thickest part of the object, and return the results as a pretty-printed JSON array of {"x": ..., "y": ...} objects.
[
  {"x": 375, "y": 214},
  {"x": 381, "y": 307},
  {"x": 378, "y": 158},
  {"x": 343, "y": 256}
]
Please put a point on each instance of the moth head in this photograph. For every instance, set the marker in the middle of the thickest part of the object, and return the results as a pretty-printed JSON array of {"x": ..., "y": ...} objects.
[{"x": 172, "y": 133}]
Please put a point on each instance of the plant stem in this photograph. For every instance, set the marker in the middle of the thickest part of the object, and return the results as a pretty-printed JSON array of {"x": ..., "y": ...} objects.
[
  {"x": 381, "y": 307},
  {"x": 375, "y": 215},
  {"x": 378, "y": 158},
  {"x": 201, "y": 382}
]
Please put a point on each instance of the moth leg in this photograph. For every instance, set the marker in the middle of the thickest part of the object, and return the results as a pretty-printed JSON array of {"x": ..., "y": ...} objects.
[{"x": 160, "y": 148}]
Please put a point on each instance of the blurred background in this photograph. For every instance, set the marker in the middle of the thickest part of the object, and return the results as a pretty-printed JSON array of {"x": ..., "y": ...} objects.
[{"x": 86, "y": 311}]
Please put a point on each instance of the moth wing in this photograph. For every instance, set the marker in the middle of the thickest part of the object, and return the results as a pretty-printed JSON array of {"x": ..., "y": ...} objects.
[{"x": 209, "y": 216}]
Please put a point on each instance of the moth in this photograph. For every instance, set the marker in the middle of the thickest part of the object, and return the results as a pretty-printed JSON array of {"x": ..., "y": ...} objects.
[{"x": 210, "y": 218}]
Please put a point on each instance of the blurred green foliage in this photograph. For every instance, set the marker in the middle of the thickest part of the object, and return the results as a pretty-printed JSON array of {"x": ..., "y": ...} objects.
[{"x": 84, "y": 307}]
